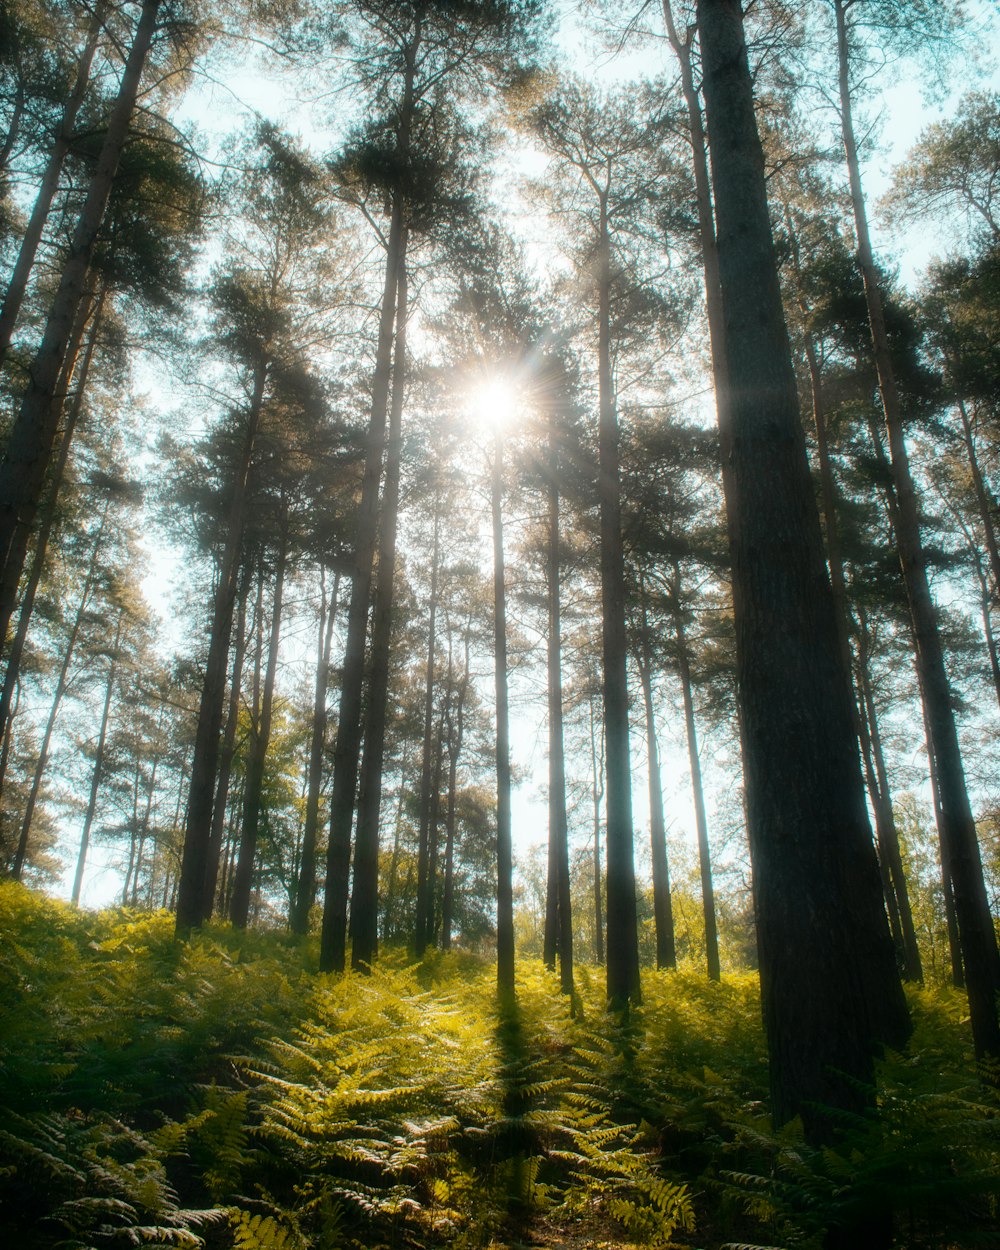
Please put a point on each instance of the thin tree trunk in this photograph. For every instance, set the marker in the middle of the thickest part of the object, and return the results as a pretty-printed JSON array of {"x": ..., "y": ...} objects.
[
  {"x": 239, "y": 907},
  {"x": 306, "y": 890},
  {"x": 623, "y": 937},
  {"x": 348, "y": 744},
  {"x": 96, "y": 777},
  {"x": 364, "y": 900},
  {"x": 960, "y": 846},
  {"x": 820, "y": 916},
  {"x": 505, "y": 866},
  {"x": 663, "y": 912},
  {"x": 227, "y": 750},
  {"x": 456, "y": 735},
  {"x": 597, "y": 764},
  {"x": 559, "y": 916},
  {"x": 697, "y": 787},
  {"x": 434, "y": 825},
  {"x": 983, "y": 501},
  {"x": 60, "y": 690},
  {"x": 193, "y": 880},
  {"x": 29, "y": 446},
  {"x": 424, "y": 807},
  {"x": 50, "y": 182}
]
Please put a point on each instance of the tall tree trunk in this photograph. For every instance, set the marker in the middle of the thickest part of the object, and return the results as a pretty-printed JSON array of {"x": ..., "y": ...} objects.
[
  {"x": 820, "y": 917},
  {"x": 983, "y": 501},
  {"x": 697, "y": 788},
  {"x": 663, "y": 911},
  {"x": 348, "y": 744},
  {"x": 623, "y": 936},
  {"x": 50, "y": 182},
  {"x": 424, "y": 808},
  {"x": 61, "y": 684},
  {"x": 558, "y": 915},
  {"x": 227, "y": 749},
  {"x": 192, "y": 884},
  {"x": 29, "y": 446},
  {"x": 597, "y": 769},
  {"x": 364, "y": 900},
  {"x": 455, "y": 726},
  {"x": 960, "y": 846},
  {"x": 260, "y": 740},
  {"x": 881, "y": 796},
  {"x": 13, "y": 667},
  {"x": 305, "y": 892},
  {"x": 98, "y": 773},
  {"x": 505, "y": 865}
]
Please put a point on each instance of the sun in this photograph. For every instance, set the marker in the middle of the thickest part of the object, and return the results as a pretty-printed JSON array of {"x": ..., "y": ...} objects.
[{"x": 494, "y": 403}]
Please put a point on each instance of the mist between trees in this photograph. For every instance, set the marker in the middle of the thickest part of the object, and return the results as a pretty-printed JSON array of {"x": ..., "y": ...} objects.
[{"x": 489, "y": 489}]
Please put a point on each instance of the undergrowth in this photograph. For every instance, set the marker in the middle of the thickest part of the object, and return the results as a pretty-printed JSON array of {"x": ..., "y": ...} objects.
[{"x": 221, "y": 1093}]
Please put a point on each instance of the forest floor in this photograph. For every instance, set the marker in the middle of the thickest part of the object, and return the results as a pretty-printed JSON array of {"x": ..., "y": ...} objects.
[{"x": 221, "y": 1093}]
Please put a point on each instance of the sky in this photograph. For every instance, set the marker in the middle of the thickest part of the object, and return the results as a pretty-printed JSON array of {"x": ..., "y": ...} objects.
[{"x": 214, "y": 107}]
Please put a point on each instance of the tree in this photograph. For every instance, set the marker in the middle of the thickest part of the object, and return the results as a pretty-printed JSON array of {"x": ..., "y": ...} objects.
[{"x": 813, "y": 861}]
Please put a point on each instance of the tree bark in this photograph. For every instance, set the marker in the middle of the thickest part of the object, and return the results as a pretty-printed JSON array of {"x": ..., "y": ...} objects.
[
  {"x": 98, "y": 773},
  {"x": 663, "y": 911},
  {"x": 960, "y": 846},
  {"x": 29, "y": 447},
  {"x": 192, "y": 885},
  {"x": 455, "y": 727},
  {"x": 306, "y": 891},
  {"x": 623, "y": 938},
  {"x": 597, "y": 766},
  {"x": 260, "y": 740},
  {"x": 505, "y": 865},
  {"x": 364, "y": 900},
  {"x": 820, "y": 917},
  {"x": 424, "y": 808}
]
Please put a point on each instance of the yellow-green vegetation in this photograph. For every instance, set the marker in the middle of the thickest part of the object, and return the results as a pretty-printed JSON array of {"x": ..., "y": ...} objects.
[{"x": 222, "y": 1093}]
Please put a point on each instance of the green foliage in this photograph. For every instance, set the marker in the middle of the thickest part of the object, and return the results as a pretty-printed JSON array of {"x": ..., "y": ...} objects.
[{"x": 216, "y": 1093}]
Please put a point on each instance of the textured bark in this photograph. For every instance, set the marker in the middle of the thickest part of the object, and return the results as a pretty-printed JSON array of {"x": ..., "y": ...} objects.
[
  {"x": 622, "y": 937},
  {"x": 454, "y": 737},
  {"x": 305, "y": 892},
  {"x": 364, "y": 899},
  {"x": 960, "y": 846},
  {"x": 820, "y": 917},
  {"x": 50, "y": 182},
  {"x": 597, "y": 768},
  {"x": 98, "y": 774},
  {"x": 193, "y": 878},
  {"x": 333, "y": 943},
  {"x": 505, "y": 865},
  {"x": 29, "y": 447},
  {"x": 260, "y": 740}
]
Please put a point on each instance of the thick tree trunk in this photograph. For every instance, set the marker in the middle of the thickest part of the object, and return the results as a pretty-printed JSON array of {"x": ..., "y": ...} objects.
[
  {"x": 29, "y": 447},
  {"x": 348, "y": 744},
  {"x": 424, "y": 802},
  {"x": 306, "y": 890},
  {"x": 50, "y": 182},
  {"x": 192, "y": 885},
  {"x": 663, "y": 909},
  {"x": 98, "y": 773},
  {"x": 505, "y": 864},
  {"x": 820, "y": 917},
  {"x": 364, "y": 899},
  {"x": 960, "y": 846},
  {"x": 623, "y": 937},
  {"x": 260, "y": 740},
  {"x": 697, "y": 788}
]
